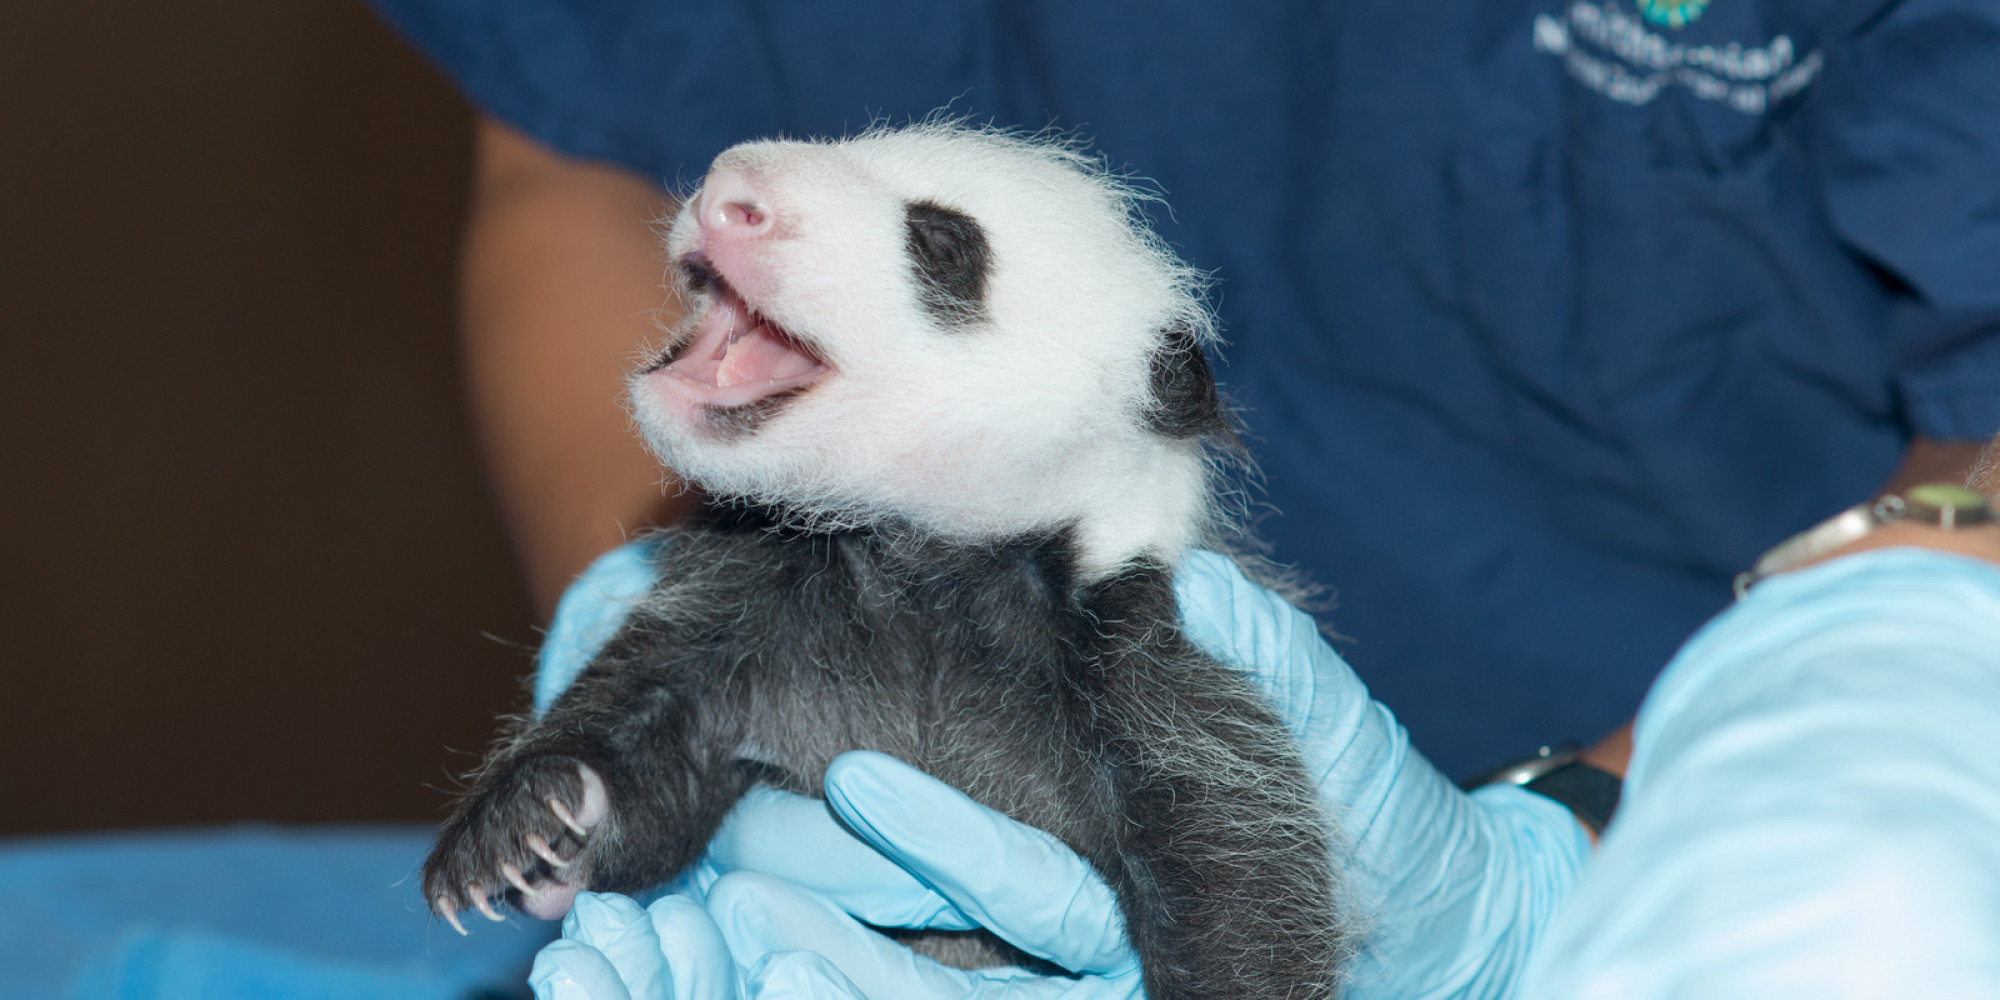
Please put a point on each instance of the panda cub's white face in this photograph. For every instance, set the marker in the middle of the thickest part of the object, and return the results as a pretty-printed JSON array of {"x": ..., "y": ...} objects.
[{"x": 952, "y": 327}]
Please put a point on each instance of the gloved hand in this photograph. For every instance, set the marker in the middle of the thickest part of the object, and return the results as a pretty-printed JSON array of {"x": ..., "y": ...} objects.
[
  {"x": 1454, "y": 888},
  {"x": 1812, "y": 804},
  {"x": 1025, "y": 886},
  {"x": 672, "y": 950}
]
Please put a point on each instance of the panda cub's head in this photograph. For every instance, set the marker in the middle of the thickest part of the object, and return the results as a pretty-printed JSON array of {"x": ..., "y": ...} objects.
[{"x": 965, "y": 330}]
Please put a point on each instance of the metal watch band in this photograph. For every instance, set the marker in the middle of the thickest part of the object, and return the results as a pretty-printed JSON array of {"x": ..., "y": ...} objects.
[
  {"x": 1592, "y": 794},
  {"x": 1942, "y": 504}
]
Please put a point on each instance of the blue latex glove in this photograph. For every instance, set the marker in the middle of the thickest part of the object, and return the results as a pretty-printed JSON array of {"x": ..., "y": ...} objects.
[
  {"x": 1813, "y": 807},
  {"x": 1455, "y": 888},
  {"x": 796, "y": 943},
  {"x": 672, "y": 950}
]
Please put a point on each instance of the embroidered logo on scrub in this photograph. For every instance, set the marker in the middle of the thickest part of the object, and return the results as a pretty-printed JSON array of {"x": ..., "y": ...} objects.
[
  {"x": 1617, "y": 55},
  {"x": 1672, "y": 13}
]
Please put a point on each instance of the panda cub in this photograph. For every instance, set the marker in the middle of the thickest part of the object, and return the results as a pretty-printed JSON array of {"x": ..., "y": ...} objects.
[{"x": 946, "y": 394}]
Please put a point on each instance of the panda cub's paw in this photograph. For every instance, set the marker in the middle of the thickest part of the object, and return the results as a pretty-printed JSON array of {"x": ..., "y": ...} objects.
[{"x": 523, "y": 835}]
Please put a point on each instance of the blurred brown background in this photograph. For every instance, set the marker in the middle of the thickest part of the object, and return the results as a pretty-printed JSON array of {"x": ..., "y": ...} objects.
[{"x": 248, "y": 566}]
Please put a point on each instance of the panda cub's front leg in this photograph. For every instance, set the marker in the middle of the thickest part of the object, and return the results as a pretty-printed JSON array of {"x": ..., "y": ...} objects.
[
  {"x": 523, "y": 832},
  {"x": 618, "y": 788}
]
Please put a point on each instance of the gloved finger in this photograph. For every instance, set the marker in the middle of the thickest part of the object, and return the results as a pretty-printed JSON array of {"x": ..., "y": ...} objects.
[
  {"x": 760, "y": 916},
  {"x": 616, "y": 927},
  {"x": 775, "y": 921},
  {"x": 572, "y": 970},
  {"x": 798, "y": 840},
  {"x": 697, "y": 961},
  {"x": 1014, "y": 880},
  {"x": 1251, "y": 629},
  {"x": 1342, "y": 733},
  {"x": 800, "y": 975}
]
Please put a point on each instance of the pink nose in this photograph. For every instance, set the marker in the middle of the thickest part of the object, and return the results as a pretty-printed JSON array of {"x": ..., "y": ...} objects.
[{"x": 730, "y": 207}]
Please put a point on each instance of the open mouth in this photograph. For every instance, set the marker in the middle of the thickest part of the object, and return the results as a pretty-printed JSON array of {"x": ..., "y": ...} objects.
[{"x": 737, "y": 357}]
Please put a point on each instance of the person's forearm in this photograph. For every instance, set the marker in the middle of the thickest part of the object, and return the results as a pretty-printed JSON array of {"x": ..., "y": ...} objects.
[
  {"x": 1928, "y": 460},
  {"x": 561, "y": 285}
]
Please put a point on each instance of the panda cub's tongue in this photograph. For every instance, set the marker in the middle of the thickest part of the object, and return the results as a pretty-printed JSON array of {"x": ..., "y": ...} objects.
[{"x": 737, "y": 357}]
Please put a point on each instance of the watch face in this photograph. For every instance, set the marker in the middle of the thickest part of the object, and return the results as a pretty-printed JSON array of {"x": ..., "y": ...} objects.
[{"x": 1945, "y": 505}]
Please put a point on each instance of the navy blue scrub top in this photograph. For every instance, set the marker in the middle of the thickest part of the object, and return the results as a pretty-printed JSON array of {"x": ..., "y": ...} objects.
[{"x": 1547, "y": 318}]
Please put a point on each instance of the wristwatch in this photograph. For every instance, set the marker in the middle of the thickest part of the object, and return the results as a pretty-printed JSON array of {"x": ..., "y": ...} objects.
[
  {"x": 1941, "y": 504},
  {"x": 1558, "y": 772}
]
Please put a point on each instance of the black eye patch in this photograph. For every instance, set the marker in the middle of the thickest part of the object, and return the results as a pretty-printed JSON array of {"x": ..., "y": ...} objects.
[{"x": 951, "y": 257}]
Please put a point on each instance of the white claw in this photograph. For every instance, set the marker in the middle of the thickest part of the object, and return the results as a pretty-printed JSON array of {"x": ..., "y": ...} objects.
[
  {"x": 451, "y": 916},
  {"x": 513, "y": 877},
  {"x": 486, "y": 908},
  {"x": 562, "y": 812},
  {"x": 544, "y": 852}
]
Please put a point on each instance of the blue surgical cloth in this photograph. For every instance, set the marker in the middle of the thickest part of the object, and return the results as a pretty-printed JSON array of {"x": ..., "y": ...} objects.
[
  {"x": 245, "y": 913},
  {"x": 1813, "y": 807},
  {"x": 1547, "y": 317}
]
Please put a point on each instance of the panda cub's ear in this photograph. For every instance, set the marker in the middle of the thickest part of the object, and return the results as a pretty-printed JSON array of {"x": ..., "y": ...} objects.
[
  {"x": 1185, "y": 403},
  {"x": 952, "y": 259}
]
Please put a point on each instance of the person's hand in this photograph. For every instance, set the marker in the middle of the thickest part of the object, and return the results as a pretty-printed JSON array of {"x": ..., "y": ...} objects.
[
  {"x": 1811, "y": 807},
  {"x": 611, "y": 949},
  {"x": 959, "y": 865},
  {"x": 1453, "y": 889}
]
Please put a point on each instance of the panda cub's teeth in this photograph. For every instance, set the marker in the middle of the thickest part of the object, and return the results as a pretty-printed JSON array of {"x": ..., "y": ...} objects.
[
  {"x": 729, "y": 375},
  {"x": 733, "y": 355}
]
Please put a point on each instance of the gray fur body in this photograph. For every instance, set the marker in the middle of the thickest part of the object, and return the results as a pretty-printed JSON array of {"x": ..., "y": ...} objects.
[{"x": 1044, "y": 684}]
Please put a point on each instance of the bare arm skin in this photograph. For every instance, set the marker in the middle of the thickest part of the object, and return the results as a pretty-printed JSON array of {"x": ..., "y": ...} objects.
[
  {"x": 1977, "y": 465},
  {"x": 1928, "y": 460},
  {"x": 561, "y": 285}
]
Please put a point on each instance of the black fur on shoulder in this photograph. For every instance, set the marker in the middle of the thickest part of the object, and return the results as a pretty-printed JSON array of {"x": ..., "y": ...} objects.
[{"x": 1077, "y": 708}]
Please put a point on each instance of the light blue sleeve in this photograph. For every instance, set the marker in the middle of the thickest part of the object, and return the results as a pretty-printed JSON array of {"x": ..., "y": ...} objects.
[{"x": 1813, "y": 807}]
